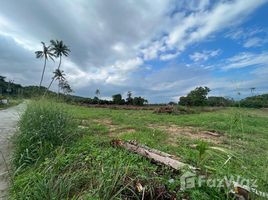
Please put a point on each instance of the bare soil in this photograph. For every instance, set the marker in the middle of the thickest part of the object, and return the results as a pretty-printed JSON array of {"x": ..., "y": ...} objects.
[
  {"x": 191, "y": 132},
  {"x": 8, "y": 126}
]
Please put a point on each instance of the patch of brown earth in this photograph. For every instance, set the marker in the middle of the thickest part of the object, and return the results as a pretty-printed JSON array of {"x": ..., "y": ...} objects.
[
  {"x": 189, "y": 132},
  {"x": 114, "y": 129},
  {"x": 120, "y": 131}
]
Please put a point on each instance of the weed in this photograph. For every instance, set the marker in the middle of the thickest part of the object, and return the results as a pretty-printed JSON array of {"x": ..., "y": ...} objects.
[{"x": 44, "y": 126}]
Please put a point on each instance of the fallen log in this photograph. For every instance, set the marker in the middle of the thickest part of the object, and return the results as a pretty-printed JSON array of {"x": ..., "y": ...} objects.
[
  {"x": 240, "y": 191},
  {"x": 153, "y": 154}
]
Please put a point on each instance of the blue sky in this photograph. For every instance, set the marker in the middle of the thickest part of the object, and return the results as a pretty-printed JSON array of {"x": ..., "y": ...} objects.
[{"x": 158, "y": 49}]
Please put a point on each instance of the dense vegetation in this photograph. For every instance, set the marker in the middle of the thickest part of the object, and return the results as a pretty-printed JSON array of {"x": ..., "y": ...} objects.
[
  {"x": 199, "y": 97},
  {"x": 259, "y": 101},
  {"x": 43, "y": 127},
  {"x": 82, "y": 164}
]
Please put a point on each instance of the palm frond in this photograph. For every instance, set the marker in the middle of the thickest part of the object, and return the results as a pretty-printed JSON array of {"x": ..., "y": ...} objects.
[{"x": 39, "y": 54}]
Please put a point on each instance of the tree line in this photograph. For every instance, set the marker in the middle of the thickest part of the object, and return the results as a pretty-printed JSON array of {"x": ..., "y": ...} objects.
[
  {"x": 117, "y": 99},
  {"x": 199, "y": 97}
]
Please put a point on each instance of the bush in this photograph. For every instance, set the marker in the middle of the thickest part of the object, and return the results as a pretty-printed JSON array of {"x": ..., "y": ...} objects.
[
  {"x": 176, "y": 110},
  {"x": 44, "y": 126}
]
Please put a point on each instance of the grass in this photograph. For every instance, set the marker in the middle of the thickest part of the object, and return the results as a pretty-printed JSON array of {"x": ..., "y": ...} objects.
[
  {"x": 88, "y": 167},
  {"x": 43, "y": 127}
]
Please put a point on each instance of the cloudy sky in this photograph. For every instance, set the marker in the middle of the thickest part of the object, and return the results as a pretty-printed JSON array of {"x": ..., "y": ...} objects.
[{"x": 159, "y": 49}]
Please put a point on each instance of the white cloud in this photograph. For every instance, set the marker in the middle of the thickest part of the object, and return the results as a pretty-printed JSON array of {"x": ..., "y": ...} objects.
[
  {"x": 254, "y": 42},
  {"x": 199, "y": 25},
  {"x": 112, "y": 40},
  {"x": 244, "y": 59},
  {"x": 169, "y": 56},
  {"x": 204, "y": 55},
  {"x": 249, "y": 37}
]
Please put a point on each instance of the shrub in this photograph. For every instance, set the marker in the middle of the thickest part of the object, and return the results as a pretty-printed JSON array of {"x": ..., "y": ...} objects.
[
  {"x": 176, "y": 110},
  {"x": 44, "y": 126}
]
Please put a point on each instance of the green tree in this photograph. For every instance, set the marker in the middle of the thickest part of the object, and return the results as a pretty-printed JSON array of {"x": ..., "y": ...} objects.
[
  {"x": 59, "y": 49},
  {"x": 97, "y": 92},
  {"x": 139, "y": 101},
  {"x": 60, "y": 77},
  {"x": 129, "y": 98},
  {"x": 117, "y": 99},
  {"x": 197, "y": 97},
  {"x": 65, "y": 87},
  {"x": 46, "y": 53}
]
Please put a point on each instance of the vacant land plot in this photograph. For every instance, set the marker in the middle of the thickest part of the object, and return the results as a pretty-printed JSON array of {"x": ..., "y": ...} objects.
[{"x": 223, "y": 143}]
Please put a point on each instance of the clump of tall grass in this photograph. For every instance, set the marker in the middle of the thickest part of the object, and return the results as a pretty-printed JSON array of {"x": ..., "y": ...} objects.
[{"x": 44, "y": 126}]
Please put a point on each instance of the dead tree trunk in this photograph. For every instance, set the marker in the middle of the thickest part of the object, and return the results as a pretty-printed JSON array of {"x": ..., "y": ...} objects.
[{"x": 153, "y": 154}]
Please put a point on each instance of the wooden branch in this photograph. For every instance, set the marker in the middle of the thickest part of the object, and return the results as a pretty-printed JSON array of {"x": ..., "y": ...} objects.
[
  {"x": 173, "y": 162},
  {"x": 153, "y": 154}
]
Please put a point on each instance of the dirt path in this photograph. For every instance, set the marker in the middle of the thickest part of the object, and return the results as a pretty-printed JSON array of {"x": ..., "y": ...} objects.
[{"x": 8, "y": 123}]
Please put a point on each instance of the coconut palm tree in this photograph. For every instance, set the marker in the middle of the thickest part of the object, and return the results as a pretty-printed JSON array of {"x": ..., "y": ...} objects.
[
  {"x": 65, "y": 87},
  {"x": 46, "y": 53},
  {"x": 59, "y": 49},
  {"x": 97, "y": 92},
  {"x": 60, "y": 76}
]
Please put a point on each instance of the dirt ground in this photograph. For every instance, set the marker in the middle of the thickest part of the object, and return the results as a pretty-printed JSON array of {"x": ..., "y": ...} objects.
[
  {"x": 8, "y": 126},
  {"x": 174, "y": 131}
]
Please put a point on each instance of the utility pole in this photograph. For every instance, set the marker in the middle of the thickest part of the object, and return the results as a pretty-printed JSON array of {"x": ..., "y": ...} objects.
[{"x": 252, "y": 90}]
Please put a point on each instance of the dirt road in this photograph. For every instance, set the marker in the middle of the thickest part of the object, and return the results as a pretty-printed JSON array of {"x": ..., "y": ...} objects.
[{"x": 8, "y": 125}]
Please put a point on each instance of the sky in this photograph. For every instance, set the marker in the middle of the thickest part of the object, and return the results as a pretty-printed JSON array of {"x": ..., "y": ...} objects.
[{"x": 158, "y": 49}]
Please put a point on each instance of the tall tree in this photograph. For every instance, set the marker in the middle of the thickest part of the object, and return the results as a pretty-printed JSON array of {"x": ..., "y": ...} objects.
[
  {"x": 65, "y": 87},
  {"x": 60, "y": 76},
  {"x": 129, "y": 98},
  {"x": 59, "y": 49},
  {"x": 46, "y": 53},
  {"x": 97, "y": 92},
  {"x": 196, "y": 97}
]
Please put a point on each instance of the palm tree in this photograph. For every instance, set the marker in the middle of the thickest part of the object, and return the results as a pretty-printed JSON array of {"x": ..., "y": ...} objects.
[
  {"x": 65, "y": 87},
  {"x": 59, "y": 49},
  {"x": 46, "y": 54},
  {"x": 60, "y": 76},
  {"x": 97, "y": 92}
]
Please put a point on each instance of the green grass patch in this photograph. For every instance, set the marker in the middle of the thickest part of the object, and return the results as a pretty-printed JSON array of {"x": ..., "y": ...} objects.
[
  {"x": 80, "y": 163},
  {"x": 44, "y": 126}
]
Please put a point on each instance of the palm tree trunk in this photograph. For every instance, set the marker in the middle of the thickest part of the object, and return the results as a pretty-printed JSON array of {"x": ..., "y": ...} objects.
[
  {"x": 59, "y": 89},
  {"x": 49, "y": 86},
  {"x": 51, "y": 83},
  {"x": 44, "y": 68},
  {"x": 52, "y": 79},
  {"x": 59, "y": 63}
]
